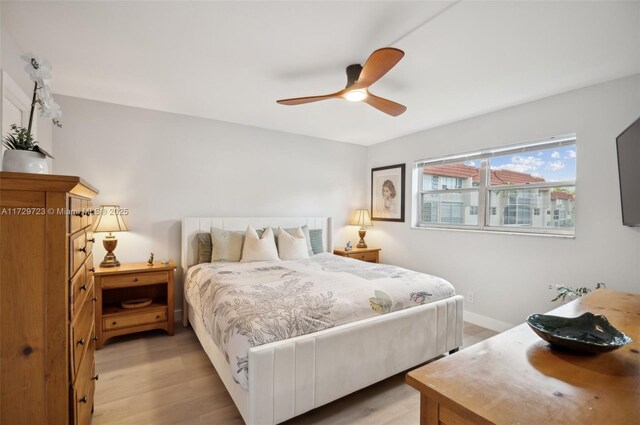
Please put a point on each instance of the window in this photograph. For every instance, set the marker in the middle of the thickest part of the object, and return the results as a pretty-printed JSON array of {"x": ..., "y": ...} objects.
[{"x": 523, "y": 188}]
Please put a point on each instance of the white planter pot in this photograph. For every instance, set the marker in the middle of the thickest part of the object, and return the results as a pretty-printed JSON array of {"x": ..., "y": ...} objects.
[{"x": 24, "y": 162}]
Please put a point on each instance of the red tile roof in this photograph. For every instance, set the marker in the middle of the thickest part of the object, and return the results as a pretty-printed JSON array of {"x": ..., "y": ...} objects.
[
  {"x": 498, "y": 177},
  {"x": 562, "y": 195}
]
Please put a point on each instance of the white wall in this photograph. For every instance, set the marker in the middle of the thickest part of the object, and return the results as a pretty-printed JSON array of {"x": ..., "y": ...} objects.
[
  {"x": 510, "y": 274},
  {"x": 165, "y": 167},
  {"x": 13, "y": 65}
]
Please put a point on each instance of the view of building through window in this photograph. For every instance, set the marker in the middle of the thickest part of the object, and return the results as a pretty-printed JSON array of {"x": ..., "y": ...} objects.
[{"x": 528, "y": 190}]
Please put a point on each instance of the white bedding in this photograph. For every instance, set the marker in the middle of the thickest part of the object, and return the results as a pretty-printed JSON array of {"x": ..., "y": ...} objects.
[{"x": 244, "y": 305}]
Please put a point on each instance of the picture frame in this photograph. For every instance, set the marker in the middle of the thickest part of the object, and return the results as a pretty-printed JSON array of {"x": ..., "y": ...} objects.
[{"x": 387, "y": 193}]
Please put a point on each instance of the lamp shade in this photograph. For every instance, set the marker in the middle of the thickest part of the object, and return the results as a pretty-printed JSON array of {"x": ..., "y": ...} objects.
[
  {"x": 361, "y": 218},
  {"x": 110, "y": 219}
]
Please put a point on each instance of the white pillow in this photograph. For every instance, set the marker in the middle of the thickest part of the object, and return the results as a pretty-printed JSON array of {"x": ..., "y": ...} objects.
[
  {"x": 292, "y": 246},
  {"x": 259, "y": 249},
  {"x": 225, "y": 245}
]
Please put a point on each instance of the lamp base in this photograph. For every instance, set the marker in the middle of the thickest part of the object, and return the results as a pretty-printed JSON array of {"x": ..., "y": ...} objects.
[
  {"x": 110, "y": 260},
  {"x": 362, "y": 233}
]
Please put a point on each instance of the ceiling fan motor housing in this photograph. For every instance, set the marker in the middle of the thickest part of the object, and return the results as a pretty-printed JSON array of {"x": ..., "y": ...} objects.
[{"x": 353, "y": 73}]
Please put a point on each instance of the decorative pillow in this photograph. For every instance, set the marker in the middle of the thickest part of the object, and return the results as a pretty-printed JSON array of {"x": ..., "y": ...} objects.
[
  {"x": 305, "y": 229},
  {"x": 227, "y": 246},
  {"x": 315, "y": 237},
  {"x": 292, "y": 245},
  {"x": 204, "y": 248},
  {"x": 259, "y": 249}
]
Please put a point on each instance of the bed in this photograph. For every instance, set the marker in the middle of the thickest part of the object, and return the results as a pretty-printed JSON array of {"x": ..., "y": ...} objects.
[{"x": 289, "y": 377}]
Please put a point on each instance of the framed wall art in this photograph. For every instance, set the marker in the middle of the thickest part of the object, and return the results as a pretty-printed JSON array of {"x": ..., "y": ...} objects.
[{"x": 387, "y": 193}]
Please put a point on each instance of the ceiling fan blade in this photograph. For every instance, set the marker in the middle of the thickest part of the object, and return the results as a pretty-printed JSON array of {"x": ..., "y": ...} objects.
[
  {"x": 378, "y": 64},
  {"x": 309, "y": 99},
  {"x": 385, "y": 105}
]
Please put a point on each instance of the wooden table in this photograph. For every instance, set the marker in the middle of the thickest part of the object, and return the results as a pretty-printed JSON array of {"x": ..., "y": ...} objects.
[{"x": 516, "y": 378}]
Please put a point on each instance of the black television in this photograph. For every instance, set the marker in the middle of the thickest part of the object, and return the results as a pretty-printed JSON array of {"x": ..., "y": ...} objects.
[{"x": 628, "y": 145}]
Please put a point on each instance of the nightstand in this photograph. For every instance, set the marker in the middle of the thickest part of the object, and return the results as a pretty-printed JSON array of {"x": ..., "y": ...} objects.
[
  {"x": 133, "y": 281},
  {"x": 371, "y": 255}
]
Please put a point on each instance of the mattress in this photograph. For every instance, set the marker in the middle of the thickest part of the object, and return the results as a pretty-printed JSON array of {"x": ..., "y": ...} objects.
[{"x": 244, "y": 305}]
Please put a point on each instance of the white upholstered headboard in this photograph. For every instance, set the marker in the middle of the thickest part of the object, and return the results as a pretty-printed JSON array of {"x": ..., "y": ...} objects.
[{"x": 192, "y": 226}]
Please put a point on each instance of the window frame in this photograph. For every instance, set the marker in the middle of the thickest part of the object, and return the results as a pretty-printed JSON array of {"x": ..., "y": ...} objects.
[{"x": 484, "y": 189}]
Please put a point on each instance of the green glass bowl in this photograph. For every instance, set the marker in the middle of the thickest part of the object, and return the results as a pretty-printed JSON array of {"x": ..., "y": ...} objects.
[{"x": 588, "y": 333}]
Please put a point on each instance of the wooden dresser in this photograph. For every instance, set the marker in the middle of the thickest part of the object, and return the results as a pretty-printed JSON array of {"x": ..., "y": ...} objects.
[
  {"x": 47, "y": 301},
  {"x": 517, "y": 378}
]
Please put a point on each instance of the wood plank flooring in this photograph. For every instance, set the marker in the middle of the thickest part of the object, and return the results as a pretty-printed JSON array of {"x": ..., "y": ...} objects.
[{"x": 152, "y": 378}]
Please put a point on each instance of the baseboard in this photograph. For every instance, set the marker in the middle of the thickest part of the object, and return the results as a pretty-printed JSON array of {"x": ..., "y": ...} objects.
[{"x": 486, "y": 322}]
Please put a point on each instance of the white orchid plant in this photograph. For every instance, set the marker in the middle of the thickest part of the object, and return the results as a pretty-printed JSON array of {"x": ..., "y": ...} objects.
[{"x": 40, "y": 72}]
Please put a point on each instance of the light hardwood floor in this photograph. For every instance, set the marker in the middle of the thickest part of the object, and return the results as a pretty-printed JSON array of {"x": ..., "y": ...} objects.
[{"x": 153, "y": 378}]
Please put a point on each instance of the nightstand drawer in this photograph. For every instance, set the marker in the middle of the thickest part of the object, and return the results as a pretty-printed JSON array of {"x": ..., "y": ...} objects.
[
  {"x": 371, "y": 257},
  {"x": 139, "y": 279},
  {"x": 134, "y": 319}
]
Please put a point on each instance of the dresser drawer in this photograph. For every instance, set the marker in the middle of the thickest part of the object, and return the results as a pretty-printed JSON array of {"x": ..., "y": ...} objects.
[
  {"x": 89, "y": 267},
  {"x": 81, "y": 332},
  {"x": 371, "y": 257},
  {"x": 83, "y": 392},
  {"x": 75, "y": 215},
  {"x": 90, "y": 239},
  {"x": 139, "y": 279},
  {"x": 77, "y": 245},
  {"x": 134, "y": 319},
  {"x": 86, "y": 213},
  {"x": 80, "y": 284}
]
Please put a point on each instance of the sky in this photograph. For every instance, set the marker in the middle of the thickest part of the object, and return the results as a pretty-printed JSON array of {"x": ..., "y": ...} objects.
[{"x": 557, "y": 164}]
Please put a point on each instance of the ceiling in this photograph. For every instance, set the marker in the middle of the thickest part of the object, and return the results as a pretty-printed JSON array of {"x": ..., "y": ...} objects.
[{"x": 232, "y": 60}]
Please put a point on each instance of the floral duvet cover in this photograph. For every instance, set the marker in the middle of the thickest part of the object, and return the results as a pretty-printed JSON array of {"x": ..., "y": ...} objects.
[{"x": 245, "y": 305}]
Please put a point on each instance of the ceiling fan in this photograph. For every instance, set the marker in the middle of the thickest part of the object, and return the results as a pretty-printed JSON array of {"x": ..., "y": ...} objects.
[{"x": 359, "y": 79}]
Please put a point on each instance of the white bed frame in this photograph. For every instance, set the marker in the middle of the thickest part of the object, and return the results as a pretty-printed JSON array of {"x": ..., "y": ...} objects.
[{"x": 290, "y": 377}]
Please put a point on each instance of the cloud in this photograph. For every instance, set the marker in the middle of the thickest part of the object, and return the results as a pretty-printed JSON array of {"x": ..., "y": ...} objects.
[
  {"x": 520, "y": 168},
  {"x": 555, "y": 155},
  {"x": 555, "y": 165},
  {"x": 521, "y": 164},
  {"x": 470, "y": 163},
  {"x": 571, "y": 153}
]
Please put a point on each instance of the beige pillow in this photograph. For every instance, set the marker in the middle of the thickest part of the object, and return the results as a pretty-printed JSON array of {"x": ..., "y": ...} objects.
[
  {"x": 259, "y": 249},
  {"x": 226, "y": 245},
  {"x": 292, "y": 246}
]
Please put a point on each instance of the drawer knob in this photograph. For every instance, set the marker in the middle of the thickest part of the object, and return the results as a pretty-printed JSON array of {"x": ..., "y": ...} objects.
[
  {"x": 94, "y": 299},
  {"x": 92, "y": 240},
  {"x": 114, "y": 323},
  {"x": 83, "y": 249},
  {"x": 95, "y": 338},
  {"x": 157, "y": 317},
  {"x": 95, "y": 378},
  {"x": 81, "y": 341},
  {"x": 135, "y": 279},
  {"x": 83, "y": 287},
  {"x": 84, "y": 399},
  {"x": 92, "y": 269}
]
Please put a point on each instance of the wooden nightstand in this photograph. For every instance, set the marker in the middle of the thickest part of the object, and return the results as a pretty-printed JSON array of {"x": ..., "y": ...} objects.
[
  {"x": 133, "y": 281},
  {"x": 371, "y": 255}
]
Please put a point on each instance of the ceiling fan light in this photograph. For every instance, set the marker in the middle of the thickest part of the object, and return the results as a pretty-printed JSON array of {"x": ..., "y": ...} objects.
[{"x": 356, "y": 95}]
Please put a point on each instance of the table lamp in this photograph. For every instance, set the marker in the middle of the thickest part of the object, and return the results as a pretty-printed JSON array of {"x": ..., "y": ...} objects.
[
  {"x": 361, "y": 218},
  {"x": 110, "y": 219}
]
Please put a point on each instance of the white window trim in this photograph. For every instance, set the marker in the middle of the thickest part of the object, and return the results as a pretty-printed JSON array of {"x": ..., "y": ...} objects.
[{"x": 484, "y": 189}]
